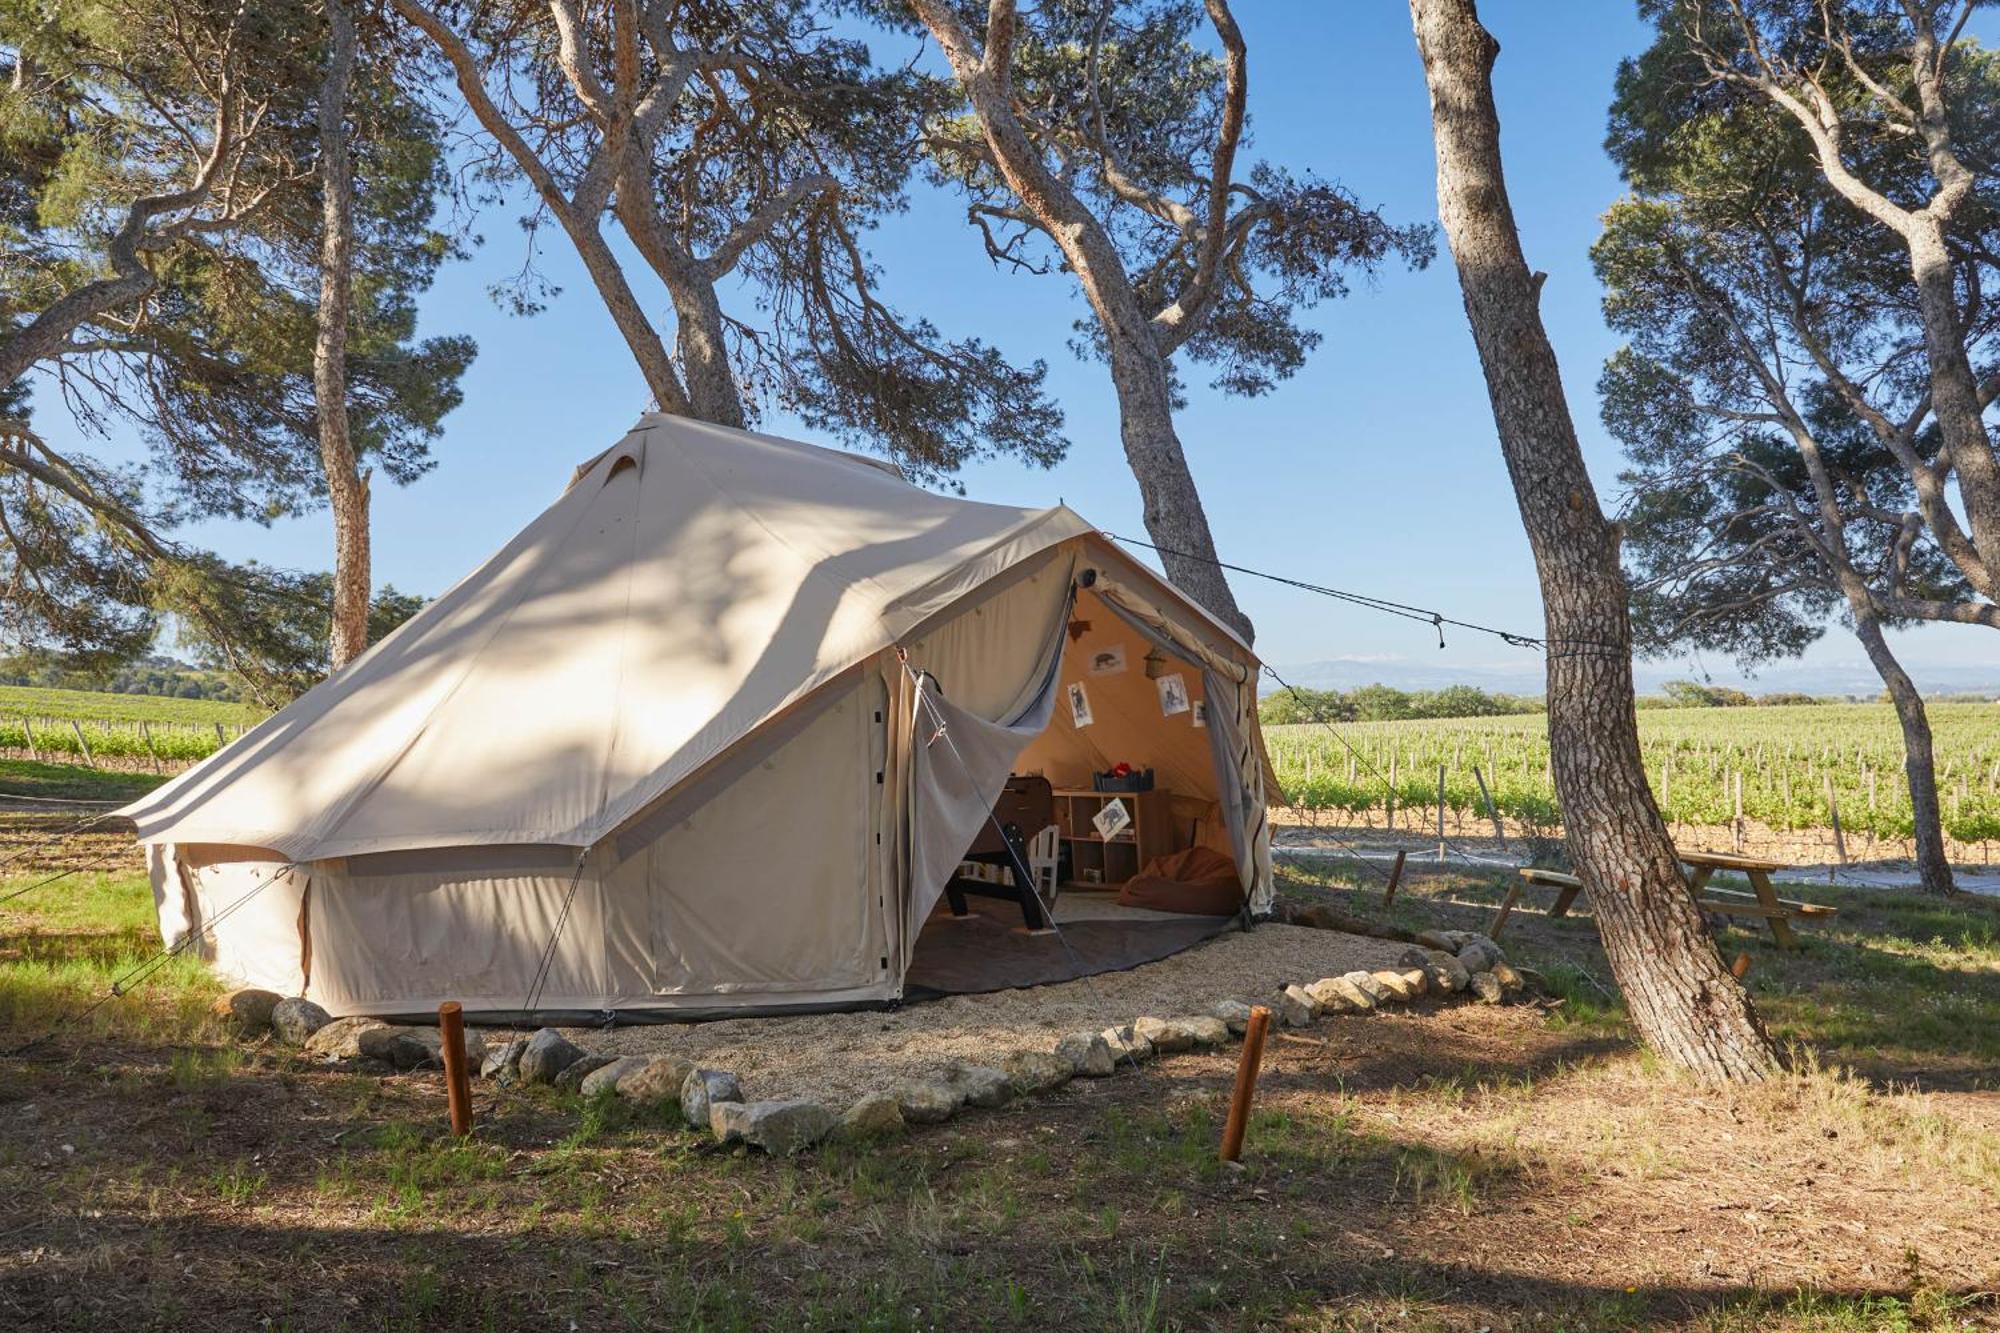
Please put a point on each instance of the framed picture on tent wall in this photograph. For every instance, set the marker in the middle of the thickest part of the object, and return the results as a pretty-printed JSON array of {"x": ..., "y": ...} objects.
[
  {"x": 1200, "y": 711},
  {"x": 1108, "y": 661},
  {"x": 1079, "y": 706},
  {"x": 1173, "y": 695}
]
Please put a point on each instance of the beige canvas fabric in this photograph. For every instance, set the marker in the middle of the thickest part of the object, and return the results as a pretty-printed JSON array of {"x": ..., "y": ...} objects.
[
  {"x": 678, "y": 715},
  {"x": 654, "y": 615}
]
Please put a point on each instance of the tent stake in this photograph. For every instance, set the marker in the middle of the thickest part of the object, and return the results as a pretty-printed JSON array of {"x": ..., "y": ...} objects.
[
  {"x": 1246, "y": 1083},
  {"x": 458, "y": 1089}
]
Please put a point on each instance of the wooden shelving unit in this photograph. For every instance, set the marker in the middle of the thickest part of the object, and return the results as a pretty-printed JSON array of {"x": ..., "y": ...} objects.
[{"x": 1151, "y": 833}]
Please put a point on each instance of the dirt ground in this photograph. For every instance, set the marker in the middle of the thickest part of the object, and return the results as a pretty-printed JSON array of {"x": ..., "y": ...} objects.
[
  {"x": 835, "y": 1058},
  {"x": 1438, "y": 1168}
]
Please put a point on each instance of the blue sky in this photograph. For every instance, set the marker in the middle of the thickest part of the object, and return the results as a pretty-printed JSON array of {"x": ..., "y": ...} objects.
[{"x": 1376, "y": 468}]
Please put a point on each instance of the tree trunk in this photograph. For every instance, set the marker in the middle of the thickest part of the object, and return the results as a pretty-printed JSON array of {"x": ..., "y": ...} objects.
[
  {"x": 346, "y": 486},
  {"x": 700, "y": 338},
  {"x": 1682, "y": 999},
  {"x": 1955, "y": 400},
  {"x": 1172, "y": 511},
  {"x": 1919, "y": 764}
]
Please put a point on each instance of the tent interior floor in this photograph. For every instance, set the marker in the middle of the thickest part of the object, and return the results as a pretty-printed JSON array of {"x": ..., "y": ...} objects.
[{"x": 988, "y": 950}]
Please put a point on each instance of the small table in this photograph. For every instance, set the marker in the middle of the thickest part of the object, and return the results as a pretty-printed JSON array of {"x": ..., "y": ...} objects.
[{"x": 1763, "y": 902}]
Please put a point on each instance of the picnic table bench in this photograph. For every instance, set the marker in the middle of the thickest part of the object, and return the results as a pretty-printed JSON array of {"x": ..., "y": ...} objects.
[
  {"x": 1762, "y": 901},
  {"x": 1568, "y": 887}
]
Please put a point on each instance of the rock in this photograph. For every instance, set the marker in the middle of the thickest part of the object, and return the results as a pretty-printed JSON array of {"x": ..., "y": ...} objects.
[
  {"x": 248, "y": 1009},
  {"x": 341, "y": 1039},
  {"x": 1203, "y": 1032},
  {"x": 1087, "y": 1054},
  {"x": 1414, "y": 957},
  {"x": 1510, "y": 980},
  {"x": 503, "y": 1062},
  {"x": 876, "y": 1115},
  {"x": 1365, "y": 983},
  {"x": 1394, "y": 984},
  {"x": 924, "y": 1102},
  {"x": 1031, "y": 1072},
  {"x": 1357, "y": 999},
  {"x": 1235, "y": 1013},
  {"x": 702, "y": 1089},
  {"x": 1335, "y": 996},
  {"x": 1448, "y": 974},
  {"x": 1444, "y": 941},
  {"x": 1294, "y": 1008},
  {"x": 296, "y": 1019},
  {"x": 980, "y": 1085},
  {"x": 1480, "y": 955},
  {"x": 1162, "y": 1035},
  {"x": 547, "y": 1054},
  {"x": 779, "y": 1128},
  {"x": 654, "y": 1081},
  {"x": 572, "y": 1077},
  {"x": 1487, "y": 987},
  {"x": 402, "y": 1047},
  {"x": 1127, "y": 1042},
  {"x": 475, "y": 1048}
]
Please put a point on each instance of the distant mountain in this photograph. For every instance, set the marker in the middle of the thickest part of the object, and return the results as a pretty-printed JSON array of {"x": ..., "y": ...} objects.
[{"x": 1525, "y": 677}]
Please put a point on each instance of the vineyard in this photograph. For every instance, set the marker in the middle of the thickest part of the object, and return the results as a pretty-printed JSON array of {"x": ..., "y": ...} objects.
[
  {"x": 1780, "y": 768},
  {"x": 115, "y": 730}
]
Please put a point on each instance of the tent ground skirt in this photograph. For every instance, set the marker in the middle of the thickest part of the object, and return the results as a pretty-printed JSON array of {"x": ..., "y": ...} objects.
[{"x": 988, "y": 950}]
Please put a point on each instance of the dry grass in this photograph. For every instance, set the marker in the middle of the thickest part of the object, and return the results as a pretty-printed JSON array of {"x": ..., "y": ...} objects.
[{"x": 1443, "y": 1168}]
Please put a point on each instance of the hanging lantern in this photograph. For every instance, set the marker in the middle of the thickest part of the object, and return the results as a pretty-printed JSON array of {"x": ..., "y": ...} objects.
[{"x": 1156, "y": 664}]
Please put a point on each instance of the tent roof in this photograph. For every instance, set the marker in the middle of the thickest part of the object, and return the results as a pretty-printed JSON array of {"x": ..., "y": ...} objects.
[{"x": 689, "y": 584}]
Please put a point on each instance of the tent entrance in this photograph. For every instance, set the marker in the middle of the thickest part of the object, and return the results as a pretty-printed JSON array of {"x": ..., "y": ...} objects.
[{"x": 1122, "y": 697}]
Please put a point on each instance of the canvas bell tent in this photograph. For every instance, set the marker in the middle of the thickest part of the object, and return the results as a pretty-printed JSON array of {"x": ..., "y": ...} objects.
[{"x": 710, "y": 735}]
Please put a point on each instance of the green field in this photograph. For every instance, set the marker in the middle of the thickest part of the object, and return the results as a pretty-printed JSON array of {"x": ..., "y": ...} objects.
[
  {"x": 132, "y": 728},
  {"x": 1784, "y": 759}
]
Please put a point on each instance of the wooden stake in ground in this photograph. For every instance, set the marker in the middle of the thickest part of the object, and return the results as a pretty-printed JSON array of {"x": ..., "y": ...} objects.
[
  {"x": 457, "y": 1085},
  {"x": 1682, "y": 999},
  {"x": 1246, "y": 1083},
  {"x": 1492, "y": 810},
  {"x": 1395, "y": 878}
]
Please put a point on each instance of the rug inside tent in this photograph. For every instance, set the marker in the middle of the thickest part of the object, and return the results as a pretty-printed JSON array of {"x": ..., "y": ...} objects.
[{"x": 987, "y": 950}]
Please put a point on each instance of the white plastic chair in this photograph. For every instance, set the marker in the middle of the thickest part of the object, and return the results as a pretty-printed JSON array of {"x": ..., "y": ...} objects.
[{"x": 1044, "y": 860}]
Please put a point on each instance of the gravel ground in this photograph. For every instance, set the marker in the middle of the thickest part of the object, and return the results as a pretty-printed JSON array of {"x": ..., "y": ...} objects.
[{"x": 834, "y": 1058}]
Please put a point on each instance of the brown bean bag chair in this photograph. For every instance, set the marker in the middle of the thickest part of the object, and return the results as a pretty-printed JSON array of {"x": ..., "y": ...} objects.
[{"x": 1199, "y": 881}]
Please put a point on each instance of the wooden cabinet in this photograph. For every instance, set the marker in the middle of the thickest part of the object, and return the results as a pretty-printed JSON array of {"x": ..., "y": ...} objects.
[{"x": 1151, "y": 833}]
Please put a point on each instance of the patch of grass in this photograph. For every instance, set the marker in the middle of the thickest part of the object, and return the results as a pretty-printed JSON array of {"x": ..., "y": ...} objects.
[{"x": 27, "y": 777}]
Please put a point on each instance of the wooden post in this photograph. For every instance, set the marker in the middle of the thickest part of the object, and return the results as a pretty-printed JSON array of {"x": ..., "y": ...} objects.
[
  {"x": 457, "y": 1086},
  {"x": 1740, "y": 967},
  {"x": 1736, "y": 785},
  {"x": 34, "y": 750},
  {"x": 146, "y": 734},
  {"x": 1440, "y": 814},
  {"x": 1492, "y": 810},
  {"x": 1395, "y": 878},
  {"x": 1839, "y": 840},
  {"x": 1246, "y": 1083},
  {"x": 82, "y": 744},
  {"x": 220, "y": 739}
]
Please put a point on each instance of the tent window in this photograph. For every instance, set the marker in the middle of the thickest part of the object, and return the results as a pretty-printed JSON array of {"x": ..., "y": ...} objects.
[{"x": 625, "y": 463}]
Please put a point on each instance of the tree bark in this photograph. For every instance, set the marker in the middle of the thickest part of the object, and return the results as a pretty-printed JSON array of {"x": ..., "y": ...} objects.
[
  {"x": 1173, "y": 513},
  {"x": 1682, "y": 999},
  {"x": 346, "y": 484},
  {"x": 1955, "y": 400},
  {"x": 1919, "y": 763}
]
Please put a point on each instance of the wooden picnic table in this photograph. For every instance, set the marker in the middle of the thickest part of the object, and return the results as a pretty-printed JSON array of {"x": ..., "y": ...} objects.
[{"x": 1763, "y": 900}]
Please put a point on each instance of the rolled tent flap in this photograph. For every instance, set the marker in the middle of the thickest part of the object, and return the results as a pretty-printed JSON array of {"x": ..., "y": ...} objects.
[
  {"x": 1234, "y": 735},
  {"x": 959, "y": 764}
]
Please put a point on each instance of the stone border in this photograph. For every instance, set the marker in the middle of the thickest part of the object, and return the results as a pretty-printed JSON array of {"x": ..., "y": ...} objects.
[{"x": 1444, "y": 962}]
